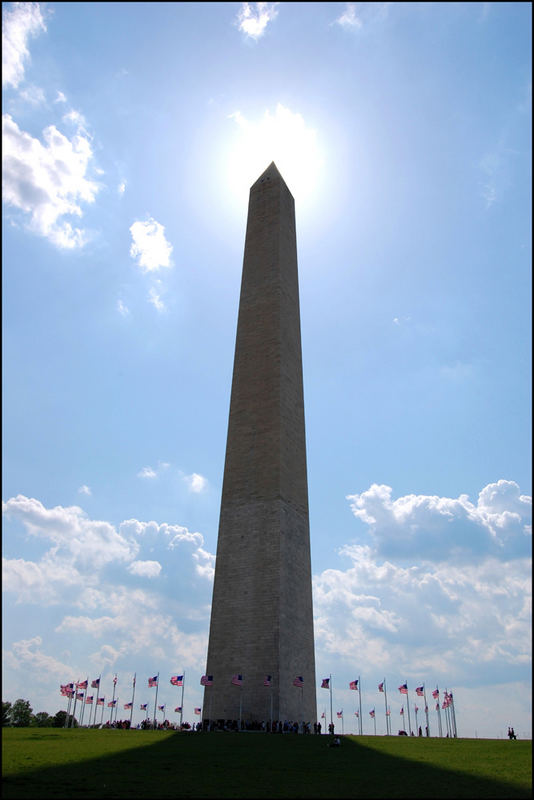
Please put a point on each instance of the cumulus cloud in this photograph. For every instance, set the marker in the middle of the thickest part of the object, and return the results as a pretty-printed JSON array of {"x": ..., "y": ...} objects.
[
  {"x": 145, "y": 569},
  {"x": 149, "y": 245},
  {"x": 432, "y": 528},
  {"x": 19, "y": 23},
  {"x": 423, "y": 619},
  {"x": 253, "y": 18},
  {"x": 196, "y": 483},
  {"x": 27, "y": 653},
  {"x": 122, "y": 308},
  {"x": 84, "y": 542},
  {"x": 48, "y": 180},
  {"x": 85, "y": 490},
  {"x": 443, "y": 588}
]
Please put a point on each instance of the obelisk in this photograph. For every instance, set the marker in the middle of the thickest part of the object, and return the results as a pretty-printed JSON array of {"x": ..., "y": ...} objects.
[{"x": 261, "y": 616}]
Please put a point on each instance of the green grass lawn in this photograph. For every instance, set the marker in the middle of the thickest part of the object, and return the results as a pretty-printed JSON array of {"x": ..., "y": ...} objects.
[{"x": 57, "y": 763}]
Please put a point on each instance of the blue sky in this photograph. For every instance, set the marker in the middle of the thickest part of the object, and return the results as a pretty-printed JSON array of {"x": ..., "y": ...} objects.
[{"x": 131, "y": 135}]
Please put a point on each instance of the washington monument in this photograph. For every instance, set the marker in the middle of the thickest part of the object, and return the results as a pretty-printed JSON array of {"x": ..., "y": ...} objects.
[{"x": 261, "y": 626}]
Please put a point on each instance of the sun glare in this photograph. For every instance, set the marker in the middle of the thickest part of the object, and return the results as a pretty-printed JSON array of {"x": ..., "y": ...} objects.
[{"x": 282, "y": 137}]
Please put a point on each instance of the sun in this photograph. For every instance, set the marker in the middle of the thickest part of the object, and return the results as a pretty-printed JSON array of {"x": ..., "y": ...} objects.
[{"x": 283, "y": 137}]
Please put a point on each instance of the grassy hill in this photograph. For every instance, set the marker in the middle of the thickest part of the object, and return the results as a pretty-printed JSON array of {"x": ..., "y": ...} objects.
[{"x": 56, "y": 763}]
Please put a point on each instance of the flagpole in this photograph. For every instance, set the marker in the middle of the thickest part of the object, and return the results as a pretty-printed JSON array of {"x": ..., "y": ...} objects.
[
  {"x": 75, "y": 701},
  {"x": 182, "y": 706},
  {"x": 113, "y": 699},
  {"x": 416, "y": 727},
  {"x": 84, "y": 698},
  {"x": 386, "y": 708},
  {"x": 331, "y": 715},
  {"x": 426, "y": 712},
  {"x": 374, "y": 721},
  {"x": 408, "y": 704},
  {"x": 97, "y": 696},
  {"x": 453, "y": 716},
  {"x": 67, "y": 718},
  {"x": 360, "y": 693},
  {"x": 240, "y": 704},
  {"x": 133, "y": 697},
  {"x": 439, "y": 714},
  {"x": 155, "y": 701},
  {"x": 102, "y": 714}
]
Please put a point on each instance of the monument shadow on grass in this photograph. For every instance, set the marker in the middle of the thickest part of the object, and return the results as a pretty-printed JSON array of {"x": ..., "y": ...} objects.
[{"x": 250, "y": 766}]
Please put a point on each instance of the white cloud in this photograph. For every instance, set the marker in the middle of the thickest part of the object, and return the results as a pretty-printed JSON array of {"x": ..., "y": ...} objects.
[
  {"x": 253, "y": 21},
  {"x": 447, "y": 529},
  {"x": 74, "y": 537},
  {"x": 48, "y": 181},
  {"x": 85, "y": 490},
  {"x": 357, "y": 15},
  {"x": 19, "y": 23},
  {"x": 155, "y": 299},
  {"x": 349, "y": 18},
  {"x": 122, "y": 308},
  {"x": 121, "y": 188},
  {"x": 147, "y": 472},
  {"x": 149, "y": 245},
  {"x": 33, "y": 95},
  {"x": 60, "y": 98},
  {"x": 145, "y": 569},
  {"x": 440, "y": 620},
  {"x": 196, "y": 483}
]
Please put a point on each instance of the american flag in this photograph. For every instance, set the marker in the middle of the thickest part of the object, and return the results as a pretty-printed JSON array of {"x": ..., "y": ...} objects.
[
  {"x": 372, "y": 713},
  {"x": 339, "y": 714},
  {"x": 197, "y": 711},
  {"x": 177, "y": 680},
  {"x": 153, "y": 681},
  {"x": 161, "y": 708},
  {"x": 402, "y": 710},
  {"x": 81, "y": 685},
  {"x": 115, "y": 681},
  {"x": 437, "y": 706},
  {"x": 404, "y": 688},
  {"x": 326, "y": 683},
  {"x": 112, "y": 703},
  {"x": 237, "y": 680},
  {"x": 416, "y": 709},
  {"x": 420, "y": 691},
  {"x": 79, "y": 695},
  {"x": 143, "y": 707},
  {"x": 444, "y": 704},
  {"x": 267, "y": 680},
  {"x": 435, "y": 694},
  {"x": 299, "y": 681},
  {"x": 356, "y": 714},
  {"x": 89, "y": 699},
  {"x": 178, "y": 709},
  {"x": 95, "y": 684},
  {"x": 100, "y": 701},
  {"x": 127, "y": 706},
  {"x": 381, "y": 687},
  {"x": 206, "y": 680},
  {"x": 323, "y": 715},
  {"x": 388, "y": 713},
  {"x": 353, "y": 685}
]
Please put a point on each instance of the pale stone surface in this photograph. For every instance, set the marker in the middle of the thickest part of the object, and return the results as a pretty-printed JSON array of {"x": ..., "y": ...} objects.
[{"x": 262, "y": 620}]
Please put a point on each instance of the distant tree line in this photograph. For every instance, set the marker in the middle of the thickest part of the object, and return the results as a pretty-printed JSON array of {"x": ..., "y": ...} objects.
[{"x": 20, "y": 715}]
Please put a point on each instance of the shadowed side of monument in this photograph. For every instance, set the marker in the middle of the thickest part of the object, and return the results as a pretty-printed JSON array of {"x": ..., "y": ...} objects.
[{"x": 262, "y": 618}]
